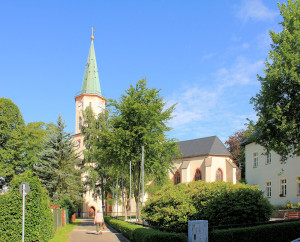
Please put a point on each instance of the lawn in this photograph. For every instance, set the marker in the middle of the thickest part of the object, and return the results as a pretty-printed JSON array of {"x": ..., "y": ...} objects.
[{"x": 61, "y": 234}]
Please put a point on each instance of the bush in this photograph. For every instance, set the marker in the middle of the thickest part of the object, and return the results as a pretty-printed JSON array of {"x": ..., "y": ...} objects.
[
  {"x": 218, "y": 202},
  {"x": 279, "y": 232},
  {"x": 38, "y": 216},
  {"x": 138, "y": 233}
]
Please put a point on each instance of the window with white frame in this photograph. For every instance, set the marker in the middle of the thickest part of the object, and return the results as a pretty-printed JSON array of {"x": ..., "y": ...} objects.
[
  {"x": 268, "y": 158},
  {"x": 268, "y": 189},
  {"x": 283, "y": 188},
  {"x": 298, "y": 185},
  {"x": 255, "y": 159}
]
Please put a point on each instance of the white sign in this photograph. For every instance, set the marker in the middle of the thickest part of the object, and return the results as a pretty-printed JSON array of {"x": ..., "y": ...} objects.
[{"x": 26, "y": 190}]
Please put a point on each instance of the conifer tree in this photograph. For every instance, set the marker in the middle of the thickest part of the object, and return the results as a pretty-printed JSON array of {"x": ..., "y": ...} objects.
[{"x": 56, "y": 168}]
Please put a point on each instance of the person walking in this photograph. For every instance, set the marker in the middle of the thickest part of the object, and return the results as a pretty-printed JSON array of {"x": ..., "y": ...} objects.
[{"x": 99, "y": 221}]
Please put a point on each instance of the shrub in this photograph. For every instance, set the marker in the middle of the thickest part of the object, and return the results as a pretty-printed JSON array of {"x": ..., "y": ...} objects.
[
  {"x": 279, "y": 232},
  {"x": 38, "y": 216},
  {"x": 138, "y": 233},
  {"x": 242, "y": 204},
  {"x": 218, "y": 202}
]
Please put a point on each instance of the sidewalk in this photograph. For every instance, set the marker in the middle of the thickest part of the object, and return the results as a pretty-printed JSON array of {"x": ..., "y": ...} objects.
[{"x": 86, "y": 231}]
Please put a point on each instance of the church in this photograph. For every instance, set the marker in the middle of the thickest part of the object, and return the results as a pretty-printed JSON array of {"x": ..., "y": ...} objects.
[{"x": 202, "y": 159}]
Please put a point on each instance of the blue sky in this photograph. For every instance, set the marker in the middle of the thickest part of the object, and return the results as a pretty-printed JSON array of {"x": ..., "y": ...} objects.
[{"x": 204, "y": 55}]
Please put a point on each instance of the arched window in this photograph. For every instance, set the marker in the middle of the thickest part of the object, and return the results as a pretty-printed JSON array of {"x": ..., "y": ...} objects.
[
  {"x": 79, "y": 123},
  {"x": 177, "y": 178},
  {"x": 198, "y": 176},
  {"x": 78, "y": 143},
  {"x": 90, "y": 104},
  {"x": 219, "y": 175}
]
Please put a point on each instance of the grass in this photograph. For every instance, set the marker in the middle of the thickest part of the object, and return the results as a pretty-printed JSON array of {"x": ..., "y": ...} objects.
[{"x": 61, "y": 234}]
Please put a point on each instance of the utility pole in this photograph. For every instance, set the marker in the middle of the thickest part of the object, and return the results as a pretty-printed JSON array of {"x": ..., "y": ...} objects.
[
  {"x": 143, "y": 176},
  {"x": 130, "y": 193},
  {"x": 117, "y": 198}
]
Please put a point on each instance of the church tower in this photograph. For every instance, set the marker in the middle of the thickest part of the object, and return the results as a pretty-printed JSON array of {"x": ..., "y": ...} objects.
[{"x": 90, "y": 95}]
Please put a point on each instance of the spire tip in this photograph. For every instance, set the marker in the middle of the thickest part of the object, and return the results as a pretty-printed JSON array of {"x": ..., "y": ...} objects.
[{"x": 92, "y": 37}]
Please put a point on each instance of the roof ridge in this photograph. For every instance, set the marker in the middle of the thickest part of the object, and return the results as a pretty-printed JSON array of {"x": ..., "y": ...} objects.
[{"x": 198, "y": 138}]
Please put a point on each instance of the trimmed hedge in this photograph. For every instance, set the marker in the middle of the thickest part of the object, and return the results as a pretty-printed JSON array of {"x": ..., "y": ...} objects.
[
  {"x": 137, "y": 233},
  {"x": 279, "y": 232},
  {"x": 220, "y": 203},
  {"x": 38, "y": 216}
]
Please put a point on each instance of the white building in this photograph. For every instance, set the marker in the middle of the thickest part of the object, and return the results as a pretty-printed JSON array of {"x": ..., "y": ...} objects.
[
  {"x": 279, "y": 181},
  {"x": 204, "y": 159}
]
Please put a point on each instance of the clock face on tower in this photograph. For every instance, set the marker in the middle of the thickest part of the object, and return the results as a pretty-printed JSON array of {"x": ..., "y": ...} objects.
[{"x": 80, "y": 105}]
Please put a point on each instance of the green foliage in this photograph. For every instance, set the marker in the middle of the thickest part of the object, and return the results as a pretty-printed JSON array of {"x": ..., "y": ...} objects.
[
  {"x": 19, "y": 143},
  {"x": 56, "y": 168},
  {"x": 218, "y": 202},
  {"x": 236, "y": 149},
  {"x": 277, "y": 103},
  {"x": 35, "y": 134},
  {"x": 138, "y": 119},
  {"x": 94, "y": 130},
  {"x": 137, "y": 233},
  {"x": 38, "y": 216},
  {"x": 238, "y": 205},
  {"x": 279, "y": 232},
  {"x": 12, "y": 145}
]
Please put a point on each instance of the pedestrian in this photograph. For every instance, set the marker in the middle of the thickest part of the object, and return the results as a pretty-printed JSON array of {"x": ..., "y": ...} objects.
[{"x": 99, "y": 221}]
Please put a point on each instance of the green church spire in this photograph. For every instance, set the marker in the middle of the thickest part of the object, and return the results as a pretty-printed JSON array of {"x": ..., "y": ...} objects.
[{"x": 91, "y": 83}]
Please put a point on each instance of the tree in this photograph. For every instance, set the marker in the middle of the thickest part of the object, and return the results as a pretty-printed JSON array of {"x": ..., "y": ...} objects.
[
  {"x": 98, "y": 174},
  {"x": 138, "y": 119},
  {"x": 277, "y": 103},
  {"x": 236, "y": 149},
  {"x": 56, "y": 168},
  {"x": 12, "y": 145},
  {"x": 35, "y": 135}
]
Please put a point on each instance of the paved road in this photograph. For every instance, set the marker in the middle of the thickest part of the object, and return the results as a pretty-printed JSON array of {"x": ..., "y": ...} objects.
[{"x": 86, "y": 231}]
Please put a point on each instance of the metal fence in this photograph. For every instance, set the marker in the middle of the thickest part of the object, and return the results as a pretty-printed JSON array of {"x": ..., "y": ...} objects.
[{"x": 61, "y": 218}]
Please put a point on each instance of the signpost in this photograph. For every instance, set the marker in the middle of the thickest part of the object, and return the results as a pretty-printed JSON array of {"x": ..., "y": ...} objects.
[{"x": 24, "y": 190}]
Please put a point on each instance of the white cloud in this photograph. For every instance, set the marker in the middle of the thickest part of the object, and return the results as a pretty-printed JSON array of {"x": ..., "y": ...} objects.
[
  {"x": 255, "y": 10},
  {"x": 209, "y": 109},
  {"x": 242, "y": 72}
]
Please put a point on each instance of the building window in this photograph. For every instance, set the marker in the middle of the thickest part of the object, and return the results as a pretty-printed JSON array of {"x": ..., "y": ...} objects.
[
  {"x": 255, "y": 159},
  {"x": 79, "y": 123},
  {"x": 177, "y": 178},
  {"x": 78, "y": 143},
  {"x": 198, "y": 175},
  {"x": 268, "y": 158},
  {"x": 219, "y": 175},
  {"x": 268, "y": 189},
  {"x": 283, "y": 188},
  {"x": 298, "y": 185},
  {"x": 90, "y": 104}
]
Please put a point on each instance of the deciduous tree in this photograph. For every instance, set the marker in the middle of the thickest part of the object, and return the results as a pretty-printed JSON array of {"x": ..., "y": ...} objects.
[
  {"x": 12, "y": 141},
  {"x": 277, "y": 103},
  {"x": 138, "y": 119}
]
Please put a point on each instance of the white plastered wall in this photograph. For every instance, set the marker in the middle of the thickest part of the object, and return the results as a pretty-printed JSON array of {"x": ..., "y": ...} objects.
[{"x": 273, "y": 173}]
